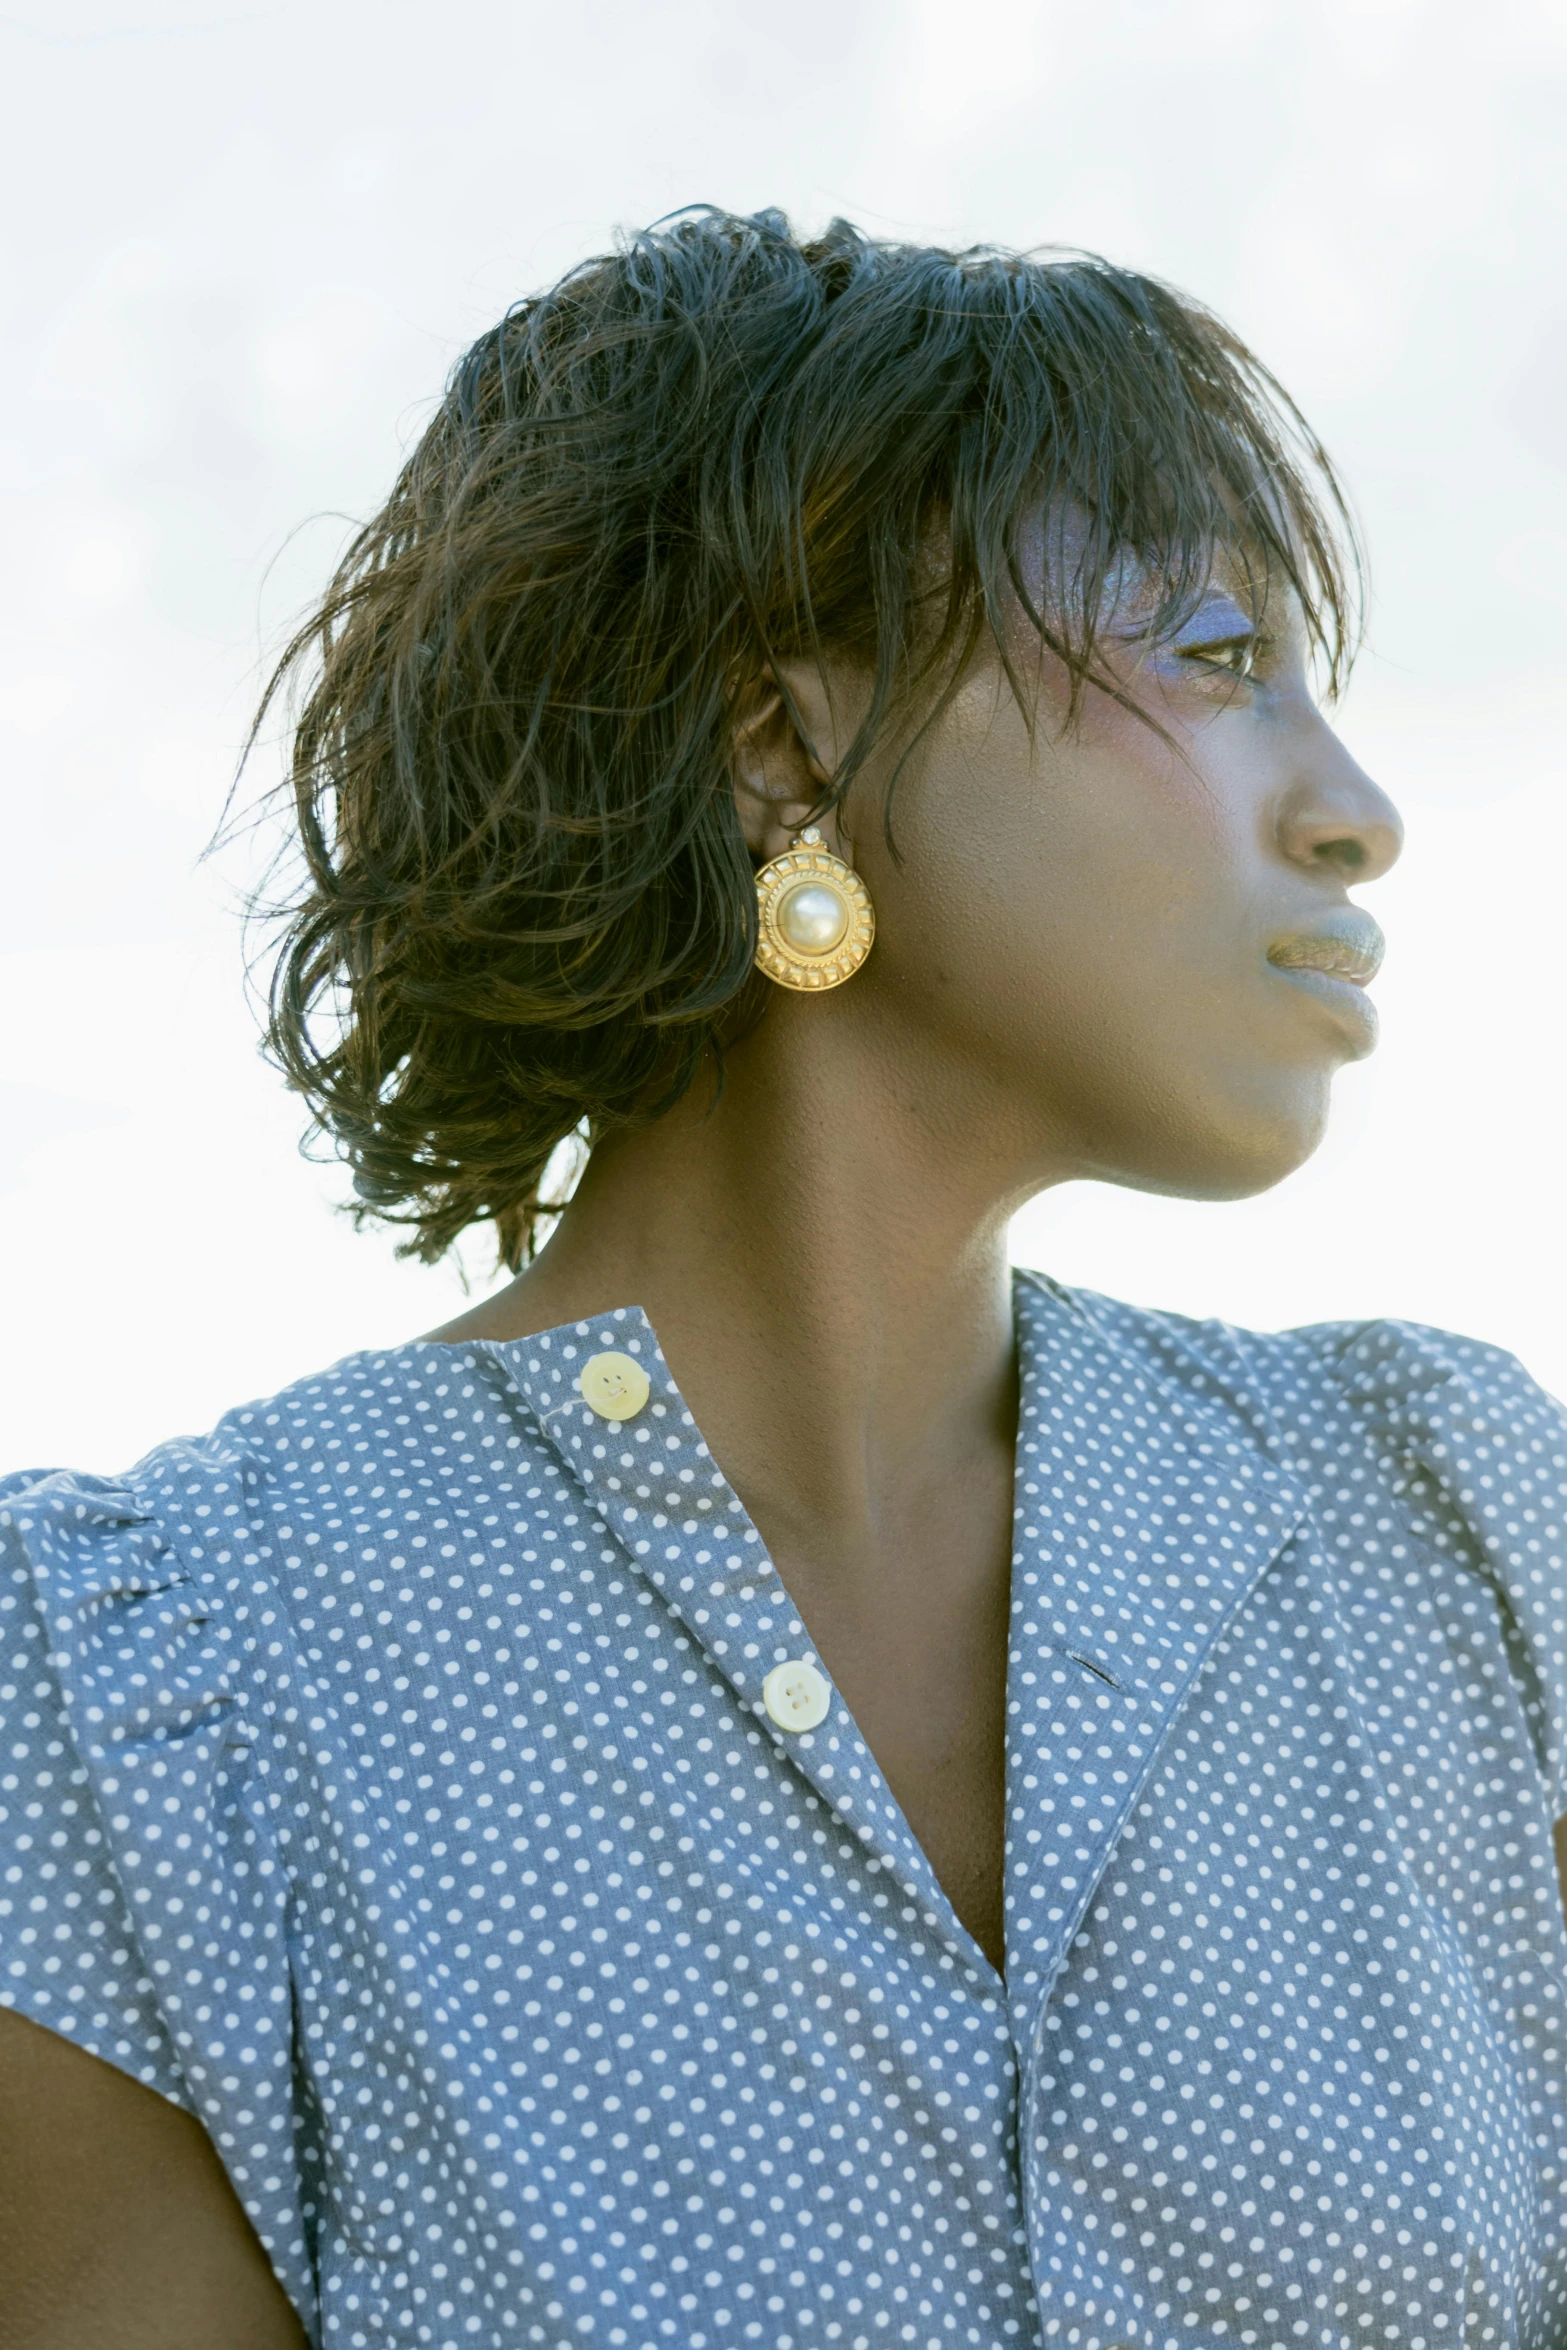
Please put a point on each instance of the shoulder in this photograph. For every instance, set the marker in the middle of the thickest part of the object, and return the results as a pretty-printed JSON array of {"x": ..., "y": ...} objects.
[
  {"x": 1400, "y": 1381},
  {"x": 1392, "y": 1434},
  {"x": 395, "y": 1429}
]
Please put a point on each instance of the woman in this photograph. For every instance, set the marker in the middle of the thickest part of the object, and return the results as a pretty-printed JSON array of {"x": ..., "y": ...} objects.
[{"x": 774, "y": 1783}]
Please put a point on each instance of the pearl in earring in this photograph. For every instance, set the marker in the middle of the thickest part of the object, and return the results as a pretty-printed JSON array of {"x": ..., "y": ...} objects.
[{"x": 815, "y": 924}]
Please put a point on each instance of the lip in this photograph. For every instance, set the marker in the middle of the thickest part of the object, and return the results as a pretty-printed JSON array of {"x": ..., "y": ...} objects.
[
  {"x": 1335, "y": 961},
  {"x": 1348, "y": 945}
]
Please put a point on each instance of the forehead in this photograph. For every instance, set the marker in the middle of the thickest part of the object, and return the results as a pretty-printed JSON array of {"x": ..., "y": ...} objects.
[{"x": 1071, "y": 575}]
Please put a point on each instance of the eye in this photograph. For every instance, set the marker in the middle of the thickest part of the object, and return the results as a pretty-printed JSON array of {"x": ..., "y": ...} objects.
[{"x": 1234, "y": 656}]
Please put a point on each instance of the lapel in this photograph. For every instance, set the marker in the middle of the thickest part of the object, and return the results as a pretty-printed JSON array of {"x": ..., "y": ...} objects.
[
  {"x": 657, "y": 1489},
  {"x": 1146, "y": 1510}
]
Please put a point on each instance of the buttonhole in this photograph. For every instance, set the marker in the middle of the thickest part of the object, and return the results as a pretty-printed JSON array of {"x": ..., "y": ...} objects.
[{"x": 1089, "y": 1665}]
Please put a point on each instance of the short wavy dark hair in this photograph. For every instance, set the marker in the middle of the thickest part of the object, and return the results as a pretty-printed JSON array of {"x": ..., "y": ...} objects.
[{"x": 526, "y": 907}]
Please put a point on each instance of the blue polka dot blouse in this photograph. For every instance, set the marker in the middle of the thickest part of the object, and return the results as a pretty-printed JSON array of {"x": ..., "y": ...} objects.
[{"x": 388, "y": 1779}]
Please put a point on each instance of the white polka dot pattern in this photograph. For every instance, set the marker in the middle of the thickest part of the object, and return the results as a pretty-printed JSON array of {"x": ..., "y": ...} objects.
[{"x": 388, "y": 1780}]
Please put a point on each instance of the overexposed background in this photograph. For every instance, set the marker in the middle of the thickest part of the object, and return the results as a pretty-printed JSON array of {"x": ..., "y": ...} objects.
[{"x": 245, "y": 244}]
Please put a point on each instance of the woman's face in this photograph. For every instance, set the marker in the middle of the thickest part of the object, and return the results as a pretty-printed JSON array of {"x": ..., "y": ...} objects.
[{"x": 1147, "y": 941}]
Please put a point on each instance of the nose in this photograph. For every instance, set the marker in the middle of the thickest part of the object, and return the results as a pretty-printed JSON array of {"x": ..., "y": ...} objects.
[{"x": 1332, "y": 818}]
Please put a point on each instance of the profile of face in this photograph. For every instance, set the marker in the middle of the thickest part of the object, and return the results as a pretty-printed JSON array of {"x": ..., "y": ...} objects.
[{"x": 1127, "y": 949}]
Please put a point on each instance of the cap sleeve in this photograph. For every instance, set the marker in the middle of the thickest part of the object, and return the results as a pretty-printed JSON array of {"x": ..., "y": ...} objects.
[
  {"x": 1469, "y": 1420},
  {"x": 143, "y": 1906}
]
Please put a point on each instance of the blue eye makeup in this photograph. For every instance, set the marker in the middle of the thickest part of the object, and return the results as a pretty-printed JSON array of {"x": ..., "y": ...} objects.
[{"x": 1221, "y": 636}]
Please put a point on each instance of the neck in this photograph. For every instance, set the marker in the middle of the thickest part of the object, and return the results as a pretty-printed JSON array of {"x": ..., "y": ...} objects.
[{"x": 822, "y": 1251}]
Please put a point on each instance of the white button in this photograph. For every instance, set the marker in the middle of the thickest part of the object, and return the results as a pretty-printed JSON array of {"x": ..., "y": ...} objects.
[
  {"x": 614, "y": 1386},
  {"x": 796, "y": 1696}
]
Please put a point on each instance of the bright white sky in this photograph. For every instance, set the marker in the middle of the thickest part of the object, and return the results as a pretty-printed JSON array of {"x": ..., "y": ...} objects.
[{"x": 246, "y": 242}]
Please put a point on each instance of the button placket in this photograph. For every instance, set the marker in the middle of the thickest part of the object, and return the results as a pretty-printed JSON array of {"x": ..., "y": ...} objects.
[{"x": 660, "y": 1493}]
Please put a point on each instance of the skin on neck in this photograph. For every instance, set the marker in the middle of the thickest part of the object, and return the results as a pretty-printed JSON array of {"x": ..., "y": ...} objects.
[{"x": 825, "y": 1264}]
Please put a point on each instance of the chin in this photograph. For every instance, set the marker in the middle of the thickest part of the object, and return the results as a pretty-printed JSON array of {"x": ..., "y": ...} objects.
[{"x": 1234, "y": 1156}]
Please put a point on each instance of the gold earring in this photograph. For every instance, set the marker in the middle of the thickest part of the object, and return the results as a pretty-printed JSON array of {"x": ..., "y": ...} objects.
[{"x": 814, "y": 918}]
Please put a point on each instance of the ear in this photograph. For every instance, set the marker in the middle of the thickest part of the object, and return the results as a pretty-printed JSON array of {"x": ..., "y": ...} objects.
[{"x": 785, "y": 758}]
